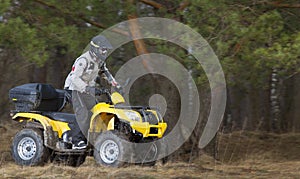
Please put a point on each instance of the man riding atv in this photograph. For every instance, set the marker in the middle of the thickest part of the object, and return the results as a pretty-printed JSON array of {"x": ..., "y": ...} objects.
[
  {"x": 111, "y": 131},
  {"x": 82, "y": 80}
]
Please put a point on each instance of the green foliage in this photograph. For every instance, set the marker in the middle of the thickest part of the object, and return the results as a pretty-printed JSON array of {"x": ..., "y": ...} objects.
[
  {"x": 18, "y": 36},
  {"x": 60, "y": 35},
  {"x": 4, "y": 5},
  {"x": 250, "y": 38}
]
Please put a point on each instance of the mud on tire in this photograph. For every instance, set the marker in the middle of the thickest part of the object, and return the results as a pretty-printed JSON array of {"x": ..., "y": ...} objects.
[
  {"x": 111, "y": 149},
  {"x": 149, "y": 152},
  {"x": 28, "y": 148},
  {"x": 146, "y": 154}
]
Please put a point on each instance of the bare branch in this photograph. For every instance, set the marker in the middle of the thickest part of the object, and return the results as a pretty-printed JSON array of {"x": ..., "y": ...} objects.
[
  {"x": 157, "y": 5},
  {"x": 81, "y": 17},
  {"x": 281, "y": 5},
  {"x": 152, "y": 3},
  {"x": 44, "y": 3},
  {"x": 183, "y": 5},
  {"x": 139, "y": 43}
]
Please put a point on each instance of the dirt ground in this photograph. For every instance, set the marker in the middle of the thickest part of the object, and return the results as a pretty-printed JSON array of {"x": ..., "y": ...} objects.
[{"x": 240, "y": 155}]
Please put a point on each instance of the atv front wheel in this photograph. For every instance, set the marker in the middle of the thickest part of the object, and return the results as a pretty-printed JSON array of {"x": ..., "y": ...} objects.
[
  {"x": 110, "y": 149},
  {"x": 146, "y": 154},
  {"x": 28, "y": 148}
]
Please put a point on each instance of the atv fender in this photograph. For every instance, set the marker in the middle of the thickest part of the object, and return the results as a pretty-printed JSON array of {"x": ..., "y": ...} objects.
[
  {"x": 110, "y": 109},
  {"x": 47, "y": 123},
  {"x": 102, "y": 121}
]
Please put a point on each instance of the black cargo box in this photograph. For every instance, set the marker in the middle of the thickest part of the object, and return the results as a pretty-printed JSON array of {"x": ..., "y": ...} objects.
[{"x": 37, "y": 97}]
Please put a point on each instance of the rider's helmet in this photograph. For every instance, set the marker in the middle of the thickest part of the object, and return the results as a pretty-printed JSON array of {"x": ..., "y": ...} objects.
[{"x": 99, "y": 47}]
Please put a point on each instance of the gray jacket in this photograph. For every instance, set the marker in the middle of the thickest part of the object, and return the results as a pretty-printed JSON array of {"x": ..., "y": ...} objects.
[{"x": 84, "y": 72}]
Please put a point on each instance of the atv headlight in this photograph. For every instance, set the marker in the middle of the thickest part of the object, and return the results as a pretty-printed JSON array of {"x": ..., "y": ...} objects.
[{"x": 133, "y": 116}]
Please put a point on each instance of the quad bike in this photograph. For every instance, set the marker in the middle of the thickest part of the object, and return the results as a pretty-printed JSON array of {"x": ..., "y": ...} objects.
[{"x": 113, "y": 125}]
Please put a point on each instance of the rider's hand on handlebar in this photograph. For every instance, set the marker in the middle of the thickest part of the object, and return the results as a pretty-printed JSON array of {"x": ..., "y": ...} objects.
[
  {"x": 95, "y": 91},
  {"x": 117, "y": 87},
  {"x": 99, "y": 92}
]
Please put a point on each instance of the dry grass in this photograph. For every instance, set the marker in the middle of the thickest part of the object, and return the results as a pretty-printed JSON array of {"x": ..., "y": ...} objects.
[
  {"x": 246, "y": 169},
  {"x": 241, "y": 155}
]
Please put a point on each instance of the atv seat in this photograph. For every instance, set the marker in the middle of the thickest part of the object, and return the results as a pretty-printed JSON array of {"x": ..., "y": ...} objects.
[
  {"x": 59, "y": 116},
  {"x": 38, "y": 97}
]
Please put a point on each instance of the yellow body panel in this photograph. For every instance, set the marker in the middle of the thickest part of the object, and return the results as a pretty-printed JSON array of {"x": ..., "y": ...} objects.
[
  {"x": 103, "y": 119},
  {"x": 144, "y": 128},
  {"x": 100, "y": 122},
  {"x": 111, "y": 125},
  {"x": 106, "y": 108},
  {"x": 108, "y": 124},
  {"x": 58, "y": 126},
  {"x": 117, "y": 98},
  {"x": 103, "y": 108}
]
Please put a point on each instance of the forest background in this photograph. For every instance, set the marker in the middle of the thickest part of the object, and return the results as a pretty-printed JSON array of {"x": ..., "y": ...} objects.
[{"x": 257, "y": 43}]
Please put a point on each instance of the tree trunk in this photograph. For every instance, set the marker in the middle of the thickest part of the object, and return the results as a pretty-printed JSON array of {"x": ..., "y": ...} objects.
[
  {"x": 291, "y": 104},
  {"x": 39, "y": 74}
]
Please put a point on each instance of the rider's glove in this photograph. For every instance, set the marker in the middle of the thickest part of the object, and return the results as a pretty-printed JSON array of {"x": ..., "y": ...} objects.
[
  {"x": 114, "y": 83},
  {"x": 117, "y": 87},
  {"x": 99, "y": 92}
]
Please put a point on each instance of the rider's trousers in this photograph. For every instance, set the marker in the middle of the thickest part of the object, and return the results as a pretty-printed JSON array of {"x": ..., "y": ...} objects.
[{"x": 82, "y": 105}]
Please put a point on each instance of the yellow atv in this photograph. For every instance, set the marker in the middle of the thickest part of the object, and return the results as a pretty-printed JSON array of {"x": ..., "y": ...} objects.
[{"x": 114, "y": 127}]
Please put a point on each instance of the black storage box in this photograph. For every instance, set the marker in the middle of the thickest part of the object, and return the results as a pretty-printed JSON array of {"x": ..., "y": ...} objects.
[{"x": 37, "y": 97}]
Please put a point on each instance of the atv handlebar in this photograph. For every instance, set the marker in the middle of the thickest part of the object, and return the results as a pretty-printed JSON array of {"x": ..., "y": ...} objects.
[{"x": 99, "y": 92}]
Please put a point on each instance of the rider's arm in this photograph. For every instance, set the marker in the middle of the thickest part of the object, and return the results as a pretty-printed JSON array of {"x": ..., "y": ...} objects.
[{"x": 108, "y": 76}]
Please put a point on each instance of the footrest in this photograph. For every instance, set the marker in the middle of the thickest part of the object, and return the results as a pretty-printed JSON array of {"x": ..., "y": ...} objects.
[{"x": 71, "y": 151}]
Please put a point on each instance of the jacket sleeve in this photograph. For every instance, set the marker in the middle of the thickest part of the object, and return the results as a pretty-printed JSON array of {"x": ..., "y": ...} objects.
[
  {"x": 78, "y": 69},
  {"x": 107, "y": 75}
]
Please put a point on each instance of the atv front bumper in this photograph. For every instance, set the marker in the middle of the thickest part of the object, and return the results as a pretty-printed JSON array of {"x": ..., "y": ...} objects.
[{"x": 149, "y": 130}]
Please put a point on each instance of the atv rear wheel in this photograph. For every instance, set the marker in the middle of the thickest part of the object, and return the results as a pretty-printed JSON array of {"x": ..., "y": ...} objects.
[
  {"x": 28, "y": 148},
  {"x": 111, "y": 150}
]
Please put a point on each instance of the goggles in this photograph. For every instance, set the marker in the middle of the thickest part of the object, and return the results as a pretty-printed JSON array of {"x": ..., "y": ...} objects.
[{"x": 103, "y": 51}]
